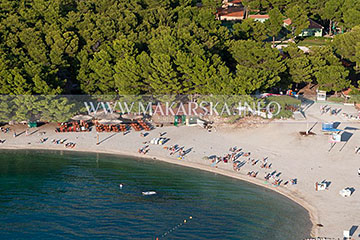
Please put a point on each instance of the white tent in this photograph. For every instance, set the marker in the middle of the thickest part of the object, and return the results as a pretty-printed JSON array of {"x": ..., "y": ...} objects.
[
  {"x": 335, "y": 137},
  {"x": 131, "y": 116},
  {"x": 106, "y": 115},
  {"x": 81, "y": 117},
  {"x": 106, "y": 121}
]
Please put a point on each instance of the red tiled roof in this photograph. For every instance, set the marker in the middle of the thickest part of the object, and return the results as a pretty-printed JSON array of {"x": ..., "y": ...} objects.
[
  {"x": 236, "y": 1},
  {"x": 231, "y": 12},
  {"x": 346, "y": 92},
  {"x": 312, "y": 23},
  {"x": 258, "y": 16},
  {"x": 287, "y": 21}
]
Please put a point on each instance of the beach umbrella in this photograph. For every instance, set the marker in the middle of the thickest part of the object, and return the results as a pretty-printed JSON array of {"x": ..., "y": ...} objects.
[
  {"x": 131, "y": 116},
  {"x": 81, "y": 117},
  {"x": 109, "y": 122},
  {"x": 128, "y": 116},
  {"x": 106, "y": 115}
]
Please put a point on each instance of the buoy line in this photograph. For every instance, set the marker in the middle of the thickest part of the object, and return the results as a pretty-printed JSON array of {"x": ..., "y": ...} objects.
[{"x": 174, "y": 228}]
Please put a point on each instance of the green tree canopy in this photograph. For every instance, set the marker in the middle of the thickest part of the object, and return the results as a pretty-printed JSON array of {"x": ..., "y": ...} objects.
[
  {"x": 259, "y": 66},
  {"x": 274, "y": 24}
]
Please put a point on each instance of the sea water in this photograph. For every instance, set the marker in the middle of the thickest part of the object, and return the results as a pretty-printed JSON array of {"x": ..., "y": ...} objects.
[{"x": 67, "y": 195}]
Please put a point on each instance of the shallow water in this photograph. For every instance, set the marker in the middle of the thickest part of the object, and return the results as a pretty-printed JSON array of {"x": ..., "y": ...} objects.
[{"x": 67, "y": 195}]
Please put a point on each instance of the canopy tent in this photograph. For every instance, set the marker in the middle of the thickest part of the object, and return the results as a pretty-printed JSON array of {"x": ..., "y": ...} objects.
[
  {"x": 81, "y": 117},
  {"x": 329, "y": 127},
  {"x": 106, "y": 115},
  {"x": 109, "y": 122},
  {"x": 131, "y": 116},
  {"x": 335, "y": 137}
]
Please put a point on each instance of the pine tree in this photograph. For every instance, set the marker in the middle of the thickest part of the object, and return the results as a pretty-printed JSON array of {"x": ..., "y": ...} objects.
[{"x": 274, "y": 23}]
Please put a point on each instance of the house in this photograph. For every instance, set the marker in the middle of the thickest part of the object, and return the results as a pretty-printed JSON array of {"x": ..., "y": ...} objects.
[
  {"x": 314, "y": 29},
  {"x": 233, "y": 3},
  {"x": 320, "y": 95},
  {"x": 346, "y": 93},
  {"x": 230, "y": 13},
  {"x": 259, "y": 18}
]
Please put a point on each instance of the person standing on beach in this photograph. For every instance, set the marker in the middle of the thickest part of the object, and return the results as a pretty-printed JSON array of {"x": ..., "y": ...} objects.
[
  {"x": 14, "y": 134},
  {"x": 359, "y": 172}
]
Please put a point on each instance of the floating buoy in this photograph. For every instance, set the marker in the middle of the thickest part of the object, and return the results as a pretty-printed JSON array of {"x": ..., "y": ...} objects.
[
  {"x": 190, "y": 217},
  {"x": 185, "y": 221},
  {"x": 121, "y": 186}
]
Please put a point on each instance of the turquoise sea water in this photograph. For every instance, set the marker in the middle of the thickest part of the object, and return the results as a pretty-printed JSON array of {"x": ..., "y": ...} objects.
[{"x": 66, "y": 195}]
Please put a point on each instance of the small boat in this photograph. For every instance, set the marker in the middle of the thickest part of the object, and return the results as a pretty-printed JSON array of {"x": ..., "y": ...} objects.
[{"x": 148, "y": 193}]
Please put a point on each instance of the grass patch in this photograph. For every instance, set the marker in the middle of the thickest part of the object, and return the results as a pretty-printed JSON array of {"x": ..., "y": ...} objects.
[
  {"x": 285, "y": 102},
  {"x": 314, "y": 42},
  {"x": 336, "y": 99}
]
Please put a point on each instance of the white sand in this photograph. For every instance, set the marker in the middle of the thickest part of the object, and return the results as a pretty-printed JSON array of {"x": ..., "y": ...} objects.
[{"x": 304, "y": 158}]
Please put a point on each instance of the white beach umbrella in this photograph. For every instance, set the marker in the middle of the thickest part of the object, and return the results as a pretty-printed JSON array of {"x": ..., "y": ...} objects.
[
  {"x": 131, "y": 116},
  {"x": 106, "y": 115},
  {"x": 81, "y": 117},
  {"x": 109, "y": 121}
]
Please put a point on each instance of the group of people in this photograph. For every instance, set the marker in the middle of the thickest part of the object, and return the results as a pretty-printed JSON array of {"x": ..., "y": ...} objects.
[
  {"x": 4, "y": 130},
  {"x": 58, "y": 141},
  {"x": 234, "y": 157},
  {"x": 350, "y": 116},
  {"x": 252, "y": 174},
  {"x": 357, "y": 150},
  {"x": 176, "y": 149},
  {"x": 70, "y": 145},
  {"x": 326, "y": 109},
  {"x": 144, "y": 150},
  {"x": 234, "y": 154},
  {"x": 265, "y": 164}
]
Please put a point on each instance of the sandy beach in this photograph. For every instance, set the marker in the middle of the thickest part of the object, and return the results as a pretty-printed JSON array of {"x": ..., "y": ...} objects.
[{"x": 308, "y": 159}]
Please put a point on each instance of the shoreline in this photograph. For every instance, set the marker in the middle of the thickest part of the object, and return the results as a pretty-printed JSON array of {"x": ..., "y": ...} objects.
[
  {"x": 308, "y": 159},
  {"x": 295, "y": 197}
]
